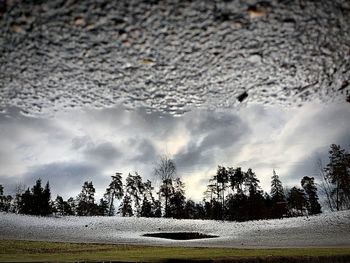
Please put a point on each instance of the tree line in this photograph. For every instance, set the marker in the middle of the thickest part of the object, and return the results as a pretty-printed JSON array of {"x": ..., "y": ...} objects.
[{"x": 231, "y": 194}]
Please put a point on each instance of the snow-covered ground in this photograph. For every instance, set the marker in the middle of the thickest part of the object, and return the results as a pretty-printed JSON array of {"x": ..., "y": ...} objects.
[{"x": 326, "y": 230}]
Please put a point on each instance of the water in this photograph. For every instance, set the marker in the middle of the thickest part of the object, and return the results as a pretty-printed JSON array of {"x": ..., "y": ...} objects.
[{"x": 172, "y": 56}]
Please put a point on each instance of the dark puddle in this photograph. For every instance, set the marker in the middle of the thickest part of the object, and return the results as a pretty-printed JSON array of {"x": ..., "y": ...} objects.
[{"x": 180, "y": 235}]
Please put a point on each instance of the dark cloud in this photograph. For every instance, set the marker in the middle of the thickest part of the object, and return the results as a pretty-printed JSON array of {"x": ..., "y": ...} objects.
[
  {"x": 105, "y": 152},
  {"x": 200, "y": 122},
  {"x": 308, "y": 166},
  {"x": 320, "y": 130},
  {"x": 146, "y": 152},
  {"x": 16, "y": 126},
  {"x": 211, "y": 132},
  {"x": 82, "y": 142},
  {"x": 194, "y": 157},
  {"x": 64, "y": 177}
]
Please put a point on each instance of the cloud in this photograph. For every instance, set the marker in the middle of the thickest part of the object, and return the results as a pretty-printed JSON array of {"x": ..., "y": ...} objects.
[
  {"x": 65, "y": 178},
  {"x": 312, "y": 136},
  {"x": 212, "y": 134},
  {"x": 145, "y": 151},
  {"x": 93, "y": 144},
  {"x": 82, "y": 142},
  {"x": 26, "y": 140},
  {"x": 103, "y": 153}
]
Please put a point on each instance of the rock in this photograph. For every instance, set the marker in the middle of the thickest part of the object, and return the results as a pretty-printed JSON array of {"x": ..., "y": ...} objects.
[
  {"x": 146, "y": 62},
  {"x": 79, "y": 21},
  {"x": 17, "y": 28},
  {"x": 255, "y": 58},
  {"x": 242, "y": 97},
  {"x": 254, "y": 12}
]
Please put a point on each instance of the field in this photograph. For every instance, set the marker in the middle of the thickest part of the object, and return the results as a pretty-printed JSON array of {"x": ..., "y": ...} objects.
[{"x": 49, "y": 251}]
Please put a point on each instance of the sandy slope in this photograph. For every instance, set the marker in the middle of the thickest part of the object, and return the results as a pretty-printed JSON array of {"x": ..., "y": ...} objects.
[{"x": 326, "y": 230}]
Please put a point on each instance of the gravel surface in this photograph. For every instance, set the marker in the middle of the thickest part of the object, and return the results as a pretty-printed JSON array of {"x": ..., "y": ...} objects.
[
  {"x": 171, "y": 56},
  {"x": 326, "y": 230}
]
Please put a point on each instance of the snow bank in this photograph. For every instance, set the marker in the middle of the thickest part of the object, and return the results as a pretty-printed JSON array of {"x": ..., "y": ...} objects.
[{"x": 326, "y": 230}]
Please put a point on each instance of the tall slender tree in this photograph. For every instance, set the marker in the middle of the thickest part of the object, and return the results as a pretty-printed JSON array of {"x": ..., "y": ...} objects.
[
  {"x": 135, "y": 187},
  {"x": 278, "y": 198},
  {"x": 149, "y": 204},
  {"x": 251, "y": 182},
  {"x": 236, "y": 178},
  {"x": 222, "y": 177},
  {"x": 114, "y": 191},
  {"x": 166, "y": 171},
  {"x": 255, "y": 201},
  {"x": 337, "y": 173}
]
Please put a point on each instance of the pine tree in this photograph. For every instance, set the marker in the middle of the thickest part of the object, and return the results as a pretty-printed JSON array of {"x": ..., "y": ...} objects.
[
  {"x": 297, "y": 201},
  {"x": 71, "y": 206},
  {"x": 5, "y": 201},
  {"x": 45, "y": 201},
  {"x": 177, "y": 199},
  {"x": 337, "y": 172},
  {"x": 59, "y": 205},
  {"x": 190, "y": 211},
  {"x": 36, "y": 201},
  {"x": 25, "y": 203},
  {"x": 149, "y": 205},
  {"x": 199, "y": 210},
  {"x": 236, "y": 178},
  {"x": 103, "y": 208},
  {"x": 165, "y": 191},
  {"x": 278, "y": 197},
  {"x": 37, "y": 192},
  {"x": 251, "y": 182},
  {"x": 310, "y": 189},
  {"x": 157, "y": 207},
  {"x": 255, "y": 201},
  {"x": 135, "y": 187},
  {"x": 125, "y": 208},
  {"x": 146, "y": 208},
  {"x": 114, "y": 190},
  {"x": 222, "y": 177},
  {"x": 86, "y": 201}
]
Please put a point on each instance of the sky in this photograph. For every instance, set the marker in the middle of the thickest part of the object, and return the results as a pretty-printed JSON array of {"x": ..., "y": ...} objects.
[{"x": 75, "y": 146}]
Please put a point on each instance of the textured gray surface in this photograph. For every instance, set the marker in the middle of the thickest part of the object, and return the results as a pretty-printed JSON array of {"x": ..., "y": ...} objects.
[
  {"x": 325, "y": 230},
  {"x": 172, "y": 56}
]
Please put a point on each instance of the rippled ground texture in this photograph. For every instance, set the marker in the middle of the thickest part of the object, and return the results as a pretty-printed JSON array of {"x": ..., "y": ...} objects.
[
  {"x": 325, "y": 230},
  {"x": 172, "y": 55}
]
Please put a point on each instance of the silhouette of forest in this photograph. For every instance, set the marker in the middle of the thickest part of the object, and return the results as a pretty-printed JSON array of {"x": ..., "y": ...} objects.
[{"x": 231, "y": 194}]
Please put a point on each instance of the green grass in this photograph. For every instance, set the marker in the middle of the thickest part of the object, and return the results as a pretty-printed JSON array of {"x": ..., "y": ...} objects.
[{"x": 13, "y": 250}]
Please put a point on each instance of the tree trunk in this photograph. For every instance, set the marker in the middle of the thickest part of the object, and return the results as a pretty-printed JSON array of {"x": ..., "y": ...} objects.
[
  {"x": 110, "y": 207},
  {"x": 337, "y": 196}
]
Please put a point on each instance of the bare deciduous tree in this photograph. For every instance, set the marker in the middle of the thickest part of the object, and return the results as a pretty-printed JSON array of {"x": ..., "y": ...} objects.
[
  {"x": 325, "y": 186},
  {"x": 166, "y": 171}
]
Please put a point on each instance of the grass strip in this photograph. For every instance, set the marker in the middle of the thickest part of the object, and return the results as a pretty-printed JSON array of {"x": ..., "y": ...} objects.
[{"x": 26, "y": 251}]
